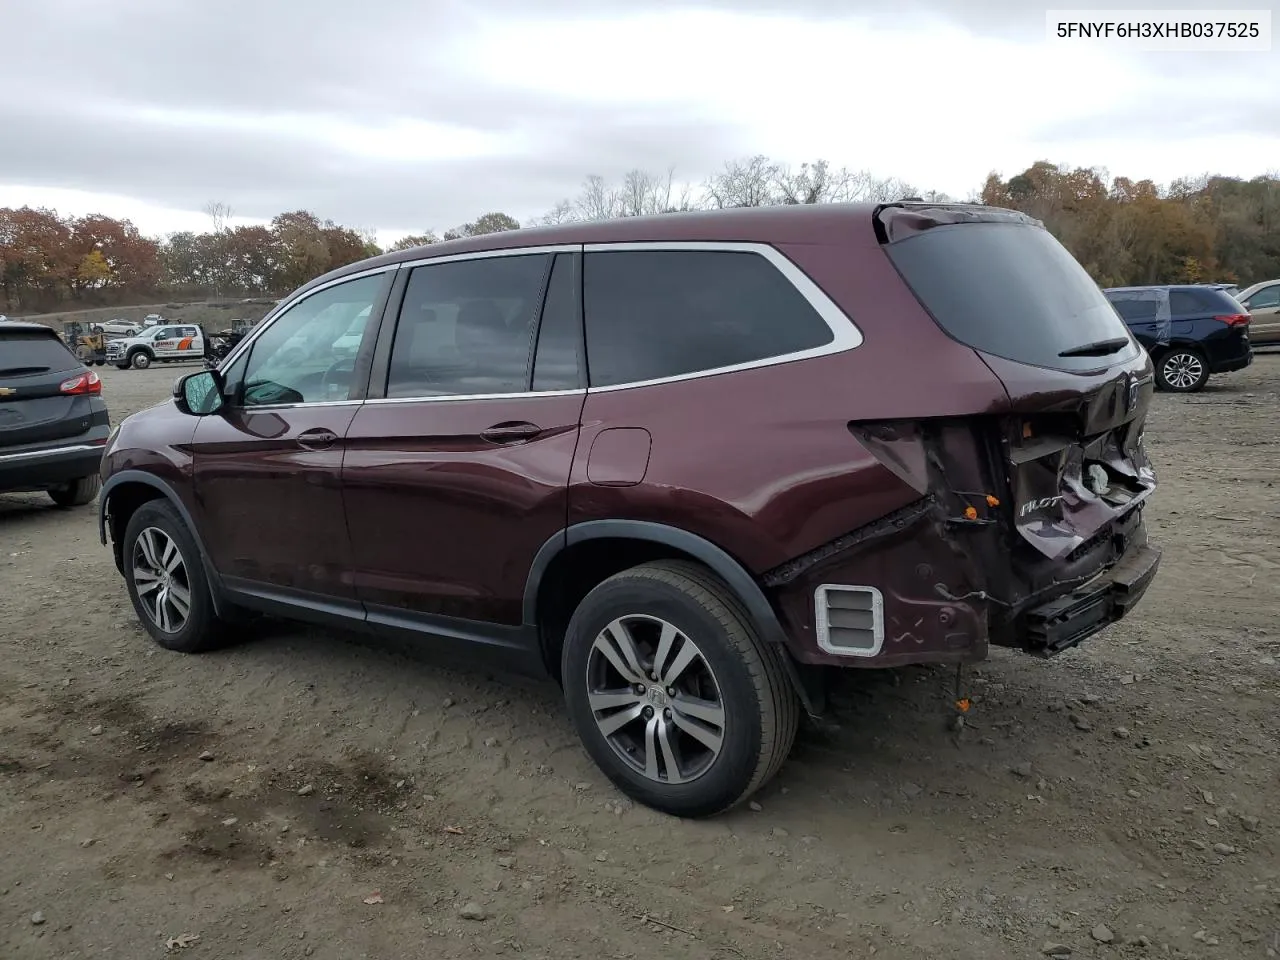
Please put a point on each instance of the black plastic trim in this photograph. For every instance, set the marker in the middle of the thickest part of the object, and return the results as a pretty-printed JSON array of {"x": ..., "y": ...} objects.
[
  {"x": 376, "y": 386},
  {"x": 293, "y": 604},
  {"x": 169, "y": 493},
  {"x": 513, "y": 649},
  {"x": 719, "y": 561}
]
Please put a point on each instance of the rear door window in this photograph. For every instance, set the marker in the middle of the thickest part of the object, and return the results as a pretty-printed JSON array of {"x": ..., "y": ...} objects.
[
  {"x": 1136, "y": 311},
  {"x": 28, "y": 354},
  {"x": 557, "y": 363},
  {"x": 657, "y": 314},
  {"x": 466, "y": 327},
  {"x": 1013, "y": 291}
]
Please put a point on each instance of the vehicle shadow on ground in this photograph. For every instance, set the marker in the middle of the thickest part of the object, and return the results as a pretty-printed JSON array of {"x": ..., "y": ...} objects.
[
  {"x": 876, "y": 721},
  {"x": 18, "y": 507}
]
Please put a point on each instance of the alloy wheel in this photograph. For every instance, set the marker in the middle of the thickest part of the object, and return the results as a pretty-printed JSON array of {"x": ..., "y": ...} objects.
[
  {"x": 1182, "y": 370},
  {"x": 160, "y": 579},
  {"x": 655, "y": 699}
]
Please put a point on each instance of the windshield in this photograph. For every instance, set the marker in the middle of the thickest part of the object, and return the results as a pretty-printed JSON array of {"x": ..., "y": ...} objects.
[{"x": 1013, "y": 291}]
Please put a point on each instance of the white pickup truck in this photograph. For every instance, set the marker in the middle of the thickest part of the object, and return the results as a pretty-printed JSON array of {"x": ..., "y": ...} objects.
[{"x": 159, "y": 344}]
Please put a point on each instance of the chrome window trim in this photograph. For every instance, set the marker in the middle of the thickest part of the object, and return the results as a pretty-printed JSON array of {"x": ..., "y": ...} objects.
[
  {"x": 288, "y": 304},
  {"x": 822, "y": 620},
  {"x": 290, "y": 406},
  {"x": 845, "y": 333},
  {"x": 488, "y": 254},
  {"x": 522, "y": 395}
]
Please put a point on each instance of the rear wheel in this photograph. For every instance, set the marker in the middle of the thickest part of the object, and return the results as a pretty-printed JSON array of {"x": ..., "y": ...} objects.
[
  {"x": 1182, "y": 370},
  {"x": 77, "y": 492},
  {"x": 140, "y": 360},
  {"x": 674, "y": 694},
  {"x": 166, "y": 580}
]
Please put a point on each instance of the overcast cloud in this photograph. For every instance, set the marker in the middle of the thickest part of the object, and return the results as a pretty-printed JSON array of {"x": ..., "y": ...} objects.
[{"x": 404, "y": 115}]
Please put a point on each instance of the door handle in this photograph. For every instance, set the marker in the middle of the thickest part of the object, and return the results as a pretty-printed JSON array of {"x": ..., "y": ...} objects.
[
  {"x": 316, "y": 439},
  {"x": 511, "y": 432}
]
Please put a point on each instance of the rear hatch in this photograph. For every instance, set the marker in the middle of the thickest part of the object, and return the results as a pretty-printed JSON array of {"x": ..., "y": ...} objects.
[
  {"x": 37, "y": 373},
  {"x": 1064, "y": 456}
]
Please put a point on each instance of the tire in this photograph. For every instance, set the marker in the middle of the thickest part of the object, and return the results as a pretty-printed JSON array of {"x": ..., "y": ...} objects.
[
  {"x": 76, "y": 493},
  {"x": 1182, "y": 370},
  {"x": 158, "y": 525},
  {"x": 140, "y": 360},
  {"x": 759, "y": 711}
]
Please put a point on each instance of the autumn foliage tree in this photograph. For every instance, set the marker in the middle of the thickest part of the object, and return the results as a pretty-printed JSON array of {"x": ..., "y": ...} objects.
[{"x": 1125, "y": 232}]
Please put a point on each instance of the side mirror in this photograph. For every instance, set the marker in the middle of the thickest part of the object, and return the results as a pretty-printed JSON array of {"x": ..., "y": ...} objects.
[{"x": 199, "y": 394}]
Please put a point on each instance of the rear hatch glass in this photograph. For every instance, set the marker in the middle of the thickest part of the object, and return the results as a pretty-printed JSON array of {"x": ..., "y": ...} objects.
[
  {"x": 25, "y": 353},
  {"x": 1010, "y": 289}
]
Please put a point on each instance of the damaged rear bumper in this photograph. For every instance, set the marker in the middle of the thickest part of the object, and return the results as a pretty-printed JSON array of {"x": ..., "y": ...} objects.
[{"x": 1069, "y": 620}]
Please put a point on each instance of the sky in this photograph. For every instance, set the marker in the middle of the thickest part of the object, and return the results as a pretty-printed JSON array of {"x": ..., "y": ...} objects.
[{"x": 401, "y": 116}]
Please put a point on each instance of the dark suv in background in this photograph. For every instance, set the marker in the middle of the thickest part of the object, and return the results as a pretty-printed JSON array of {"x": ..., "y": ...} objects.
[
  {"x": 1191, "y": 331},
  {"x": 53, "y": 421},
  {"x": 686, "y": 465}
]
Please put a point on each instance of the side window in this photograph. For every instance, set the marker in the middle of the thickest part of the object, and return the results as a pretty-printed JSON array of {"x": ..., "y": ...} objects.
[
  {"x": 466, "y": 327},
  {"x": 166, "y": 333},
  {"x": 557, "y": 361},
  {"x": 301, "y": 357},
  {"x": 190, "y": 331},
  {"x": 652, "y": 314},
  {"x": 1265, "y": 299},
  {"x": 1135, "y": 310}
]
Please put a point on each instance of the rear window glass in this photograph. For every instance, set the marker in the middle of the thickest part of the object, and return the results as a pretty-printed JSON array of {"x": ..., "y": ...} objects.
[
  {"x": 24, "y": 354},
  {"x": 1208, "y": 302},
  {"x": 653, "y": 314},
  {"x": 1013, "y": 291}
]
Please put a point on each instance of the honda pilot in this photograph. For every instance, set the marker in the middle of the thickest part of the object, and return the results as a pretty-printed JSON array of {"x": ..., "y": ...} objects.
[{"x": 685, "y": 465}]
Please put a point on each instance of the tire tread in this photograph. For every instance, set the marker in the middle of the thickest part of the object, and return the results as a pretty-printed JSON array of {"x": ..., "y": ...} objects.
[{"x": 780, "y": 714}]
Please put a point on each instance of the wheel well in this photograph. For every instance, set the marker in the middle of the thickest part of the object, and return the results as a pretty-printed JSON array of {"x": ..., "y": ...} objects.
[
  {"x": 122, "y": 503},
  {"x": 576, "y": 571}
]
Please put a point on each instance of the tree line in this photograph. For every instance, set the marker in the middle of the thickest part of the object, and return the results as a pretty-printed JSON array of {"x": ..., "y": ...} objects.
[{"x": 1209, "y": 228}]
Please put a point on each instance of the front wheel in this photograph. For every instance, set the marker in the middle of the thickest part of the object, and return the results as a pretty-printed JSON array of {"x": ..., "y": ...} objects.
[
  {"x": 140, "y": 360},
  {"x": 166, "y": 580},
  {"x": 1182, "y": 370},
  {"x": 673, "y": 692}
]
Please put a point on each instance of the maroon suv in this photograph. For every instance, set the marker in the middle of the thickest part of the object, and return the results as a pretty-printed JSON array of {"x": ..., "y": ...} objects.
[{"x": 683, "y": 464}]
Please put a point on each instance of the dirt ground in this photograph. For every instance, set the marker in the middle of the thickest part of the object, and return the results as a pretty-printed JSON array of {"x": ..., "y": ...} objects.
[{"x": 1122, "y": 800}]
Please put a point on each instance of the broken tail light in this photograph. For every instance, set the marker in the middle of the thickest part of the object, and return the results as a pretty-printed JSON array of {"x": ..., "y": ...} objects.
[{"x": 1234, "y": 319}]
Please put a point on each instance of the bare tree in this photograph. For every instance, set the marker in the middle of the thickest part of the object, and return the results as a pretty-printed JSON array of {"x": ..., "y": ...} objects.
[
  {"x": 751, "y": 182},
  {"x": 816, "y": 182},
  {"x": 562, "y": 212},
  {"x": 219, "y": 213},
  {"x": 645, "y": 194},
  {"x": 873, "y": 189},
  {"x": 598, "y": 200}
]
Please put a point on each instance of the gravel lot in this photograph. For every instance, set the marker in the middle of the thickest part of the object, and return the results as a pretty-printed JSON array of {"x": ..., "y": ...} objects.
[{"x": 303, "y": 795}]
